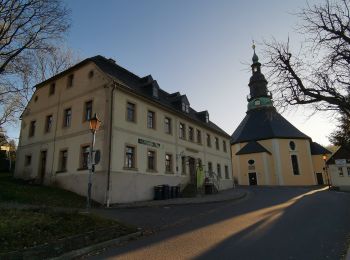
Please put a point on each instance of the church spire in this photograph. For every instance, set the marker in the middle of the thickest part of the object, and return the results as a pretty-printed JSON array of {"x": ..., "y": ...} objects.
[{"x": 259, "y": 95}]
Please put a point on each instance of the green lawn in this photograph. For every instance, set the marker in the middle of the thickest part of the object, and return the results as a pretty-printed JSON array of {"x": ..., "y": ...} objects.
[
  {"x": 21, "y": 229},
  {"x": 12, "y": 190}
]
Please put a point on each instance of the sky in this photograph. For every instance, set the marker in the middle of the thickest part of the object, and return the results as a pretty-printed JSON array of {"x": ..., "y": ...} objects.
[{"x": 201, "y": 48}]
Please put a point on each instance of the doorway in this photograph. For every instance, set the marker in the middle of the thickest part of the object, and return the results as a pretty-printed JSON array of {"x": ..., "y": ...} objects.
[
  {"x": 319, "y": 178},
  {"x": 42, "y": 169},
  {"x": 252, "y": 178},
  {"x": 192, "y": 168}
]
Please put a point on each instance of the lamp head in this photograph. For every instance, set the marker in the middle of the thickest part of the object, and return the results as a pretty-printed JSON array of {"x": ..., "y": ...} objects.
[{"x": 95, "y": 123}]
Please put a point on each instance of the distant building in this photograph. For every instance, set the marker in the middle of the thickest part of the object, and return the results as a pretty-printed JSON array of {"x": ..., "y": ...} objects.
[
  {"x": 269, "y": 150},
  {"x": 148, "y": 137},
  {"x": 339, "y": 168}
]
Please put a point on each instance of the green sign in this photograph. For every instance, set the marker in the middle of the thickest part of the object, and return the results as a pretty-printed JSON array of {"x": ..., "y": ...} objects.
[{"x": 149, "y": 143}]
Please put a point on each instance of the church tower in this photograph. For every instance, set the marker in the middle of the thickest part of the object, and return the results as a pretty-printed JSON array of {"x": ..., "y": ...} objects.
[{"x": 269, "y": 150}]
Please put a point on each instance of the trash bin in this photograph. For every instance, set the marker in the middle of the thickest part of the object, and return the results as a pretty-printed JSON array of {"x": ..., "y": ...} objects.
[
  {"x": 208, "y": 188},
  {"x": 173, "y": 192},
  {"x": 158, "y": 192},
  {"x": 177, "y": 192},
  {"x": 166, "y": 192}
]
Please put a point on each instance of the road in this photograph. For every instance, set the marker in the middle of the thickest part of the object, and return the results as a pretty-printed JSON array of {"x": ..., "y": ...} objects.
[{"x": 271, "y": 223}]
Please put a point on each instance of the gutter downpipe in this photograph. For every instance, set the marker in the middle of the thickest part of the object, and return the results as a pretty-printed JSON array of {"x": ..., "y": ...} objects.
[{"x": 110, "y": 144}]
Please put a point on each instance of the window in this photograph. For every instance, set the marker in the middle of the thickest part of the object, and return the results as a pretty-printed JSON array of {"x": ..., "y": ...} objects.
[
  {"x": 183, "y": 165},
  {"x": 91, "y": 74},
  {"x": 85, "y": 152},
  {"x": 199, "y": 136},
  {"x": 218, "y": 168},
  {"x": 70, "y": 80},
  {"x": 182, "y": 133},
  {"x": 52, "y": 89},
  {"x": 210, "y": 167},
  {"x": 167, "y": 125},
  {"x": 67, "y": 119},
  {"x": 48, "y": 124},
  {"x": 295, "y": 164},
  {"x": 155, "y": 92},
  {"x": 217, "y": 143},
  {"x": 348, "y": 169},
  {"x": 63, "y": 160},
  {"x": 227, "y": 176},
  {"x": 168, "y": 163},
  {"x": 208, "y": 140},
  {"x": 292, "y": 145},
  {"x": 207, "y": 118},
  {"x": 28, "y": 160},
  {"x": 130, "y": 112},
  {"x": 191, "y": 134},
  {"x": 340, "y": 171},
  {"x": 32, "y": 128},
  {"x": 130, "y": 157},
  {"x": 151, "y": 119},
  {"x": 151, "y": 160},
  {"x": 88, "y": 110},
  {"x": 224, "y": 146}
]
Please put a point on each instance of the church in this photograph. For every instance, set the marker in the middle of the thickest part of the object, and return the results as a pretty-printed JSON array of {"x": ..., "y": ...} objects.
[{"x": 267, "y": 149}]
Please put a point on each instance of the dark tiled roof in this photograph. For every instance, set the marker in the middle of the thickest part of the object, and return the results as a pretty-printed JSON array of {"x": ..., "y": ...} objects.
[
  {"x": 262, "y": 124},
  {"x": 143, "y": 86},
  {"x": 317, "y": 149},
  {"x": 252, "y": 147},
  {"x": 342, "y": 153}
]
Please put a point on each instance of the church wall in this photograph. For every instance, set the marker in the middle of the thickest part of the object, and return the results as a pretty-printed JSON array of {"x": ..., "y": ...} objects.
[
  {"x": 318, "y": 164},
  {"x": 302, "y": 150}
]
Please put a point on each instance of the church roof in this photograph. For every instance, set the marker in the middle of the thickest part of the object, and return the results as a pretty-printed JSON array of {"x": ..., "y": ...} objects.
[
  {"x": 317, "y": 149},
  {"x": 262, "y": 124},
  {"x": 252, "y": 147}
]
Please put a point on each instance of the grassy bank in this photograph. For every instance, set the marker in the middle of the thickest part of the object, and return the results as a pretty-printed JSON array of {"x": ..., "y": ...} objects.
[
  {"x": 18, "y": 191},
  {"x": 20, "y": 229}
]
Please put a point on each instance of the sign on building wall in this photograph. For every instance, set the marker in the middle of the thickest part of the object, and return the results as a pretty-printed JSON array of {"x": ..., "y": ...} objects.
[
  {"x": 340, "y": 162},
  {"x": 148, "y": 143}
]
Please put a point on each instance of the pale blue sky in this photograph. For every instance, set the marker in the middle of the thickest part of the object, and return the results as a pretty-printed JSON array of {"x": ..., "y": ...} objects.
[{"x": 197, "y": 47}]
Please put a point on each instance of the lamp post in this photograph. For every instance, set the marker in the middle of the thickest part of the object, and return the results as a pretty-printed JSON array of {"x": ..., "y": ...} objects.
[
  {"x": 324, "y": 157},
  {"x": 94, "y": 125}
]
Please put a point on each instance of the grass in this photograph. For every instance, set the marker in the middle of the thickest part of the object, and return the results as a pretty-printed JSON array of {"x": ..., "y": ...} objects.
[
  {"x": 20, "y": 229},
  {"x": 18, "y": 191}
]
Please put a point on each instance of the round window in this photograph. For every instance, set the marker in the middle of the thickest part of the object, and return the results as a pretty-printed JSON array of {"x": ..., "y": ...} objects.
[
  {"x": 292, "y": 145},
  {"x": 251, "y": 162}
]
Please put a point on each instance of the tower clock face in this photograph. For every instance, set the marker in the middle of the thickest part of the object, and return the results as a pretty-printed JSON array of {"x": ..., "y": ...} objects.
[{"x": 257, "y": 102}]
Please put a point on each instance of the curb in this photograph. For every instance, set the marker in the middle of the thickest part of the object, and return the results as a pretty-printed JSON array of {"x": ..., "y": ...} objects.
[
  {"x": 170, "y": 203},
  {"x": 88, "y": 249}
]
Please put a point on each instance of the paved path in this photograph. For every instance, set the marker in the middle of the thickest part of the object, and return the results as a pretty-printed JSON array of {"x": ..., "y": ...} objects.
[{"x": 271, "y": 223}]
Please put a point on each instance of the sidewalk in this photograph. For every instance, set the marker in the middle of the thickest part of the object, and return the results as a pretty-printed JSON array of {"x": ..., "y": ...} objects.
[{"x": 225, "y": 195}]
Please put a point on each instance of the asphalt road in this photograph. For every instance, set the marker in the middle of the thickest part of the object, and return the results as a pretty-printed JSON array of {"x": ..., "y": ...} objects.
[{"x": 271, "y": 223}]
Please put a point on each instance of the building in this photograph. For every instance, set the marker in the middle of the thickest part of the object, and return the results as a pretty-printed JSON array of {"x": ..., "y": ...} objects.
[
  {"x": 339, "y": 168},
  {"x": 269, "y": 150},
  {"x": 148, "y": 137}
]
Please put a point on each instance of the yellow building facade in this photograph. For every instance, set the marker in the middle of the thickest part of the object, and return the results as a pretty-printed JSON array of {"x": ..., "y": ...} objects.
[{"x": 266, "y": 149}]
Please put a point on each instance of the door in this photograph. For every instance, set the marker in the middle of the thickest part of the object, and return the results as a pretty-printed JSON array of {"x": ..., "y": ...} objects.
[
  {"x": 319, "y": 178},
  {"x": 192, "y": 167},
  {"x": 42, "y": 168},
  {"x": 252, "y": 178}
]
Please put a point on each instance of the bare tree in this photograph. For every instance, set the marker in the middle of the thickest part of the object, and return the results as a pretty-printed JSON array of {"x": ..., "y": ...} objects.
[
  {"x": 27, "y": 26},
  {"x": 318, "y": 74}
]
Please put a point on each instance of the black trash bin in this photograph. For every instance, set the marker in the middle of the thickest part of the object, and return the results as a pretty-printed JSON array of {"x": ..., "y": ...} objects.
[
  {"x": 177, "y": 192},
  {"x": 166, "y": 192},
  {"x": 158, "y": 192},
  {"x": 173, "y": 192}
]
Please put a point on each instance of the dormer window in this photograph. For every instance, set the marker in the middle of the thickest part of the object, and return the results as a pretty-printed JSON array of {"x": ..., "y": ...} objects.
[
  {"x": 207, "y": 118},
  {"x": 155, "y": 92},
  {"x": 187, "y": 108}
]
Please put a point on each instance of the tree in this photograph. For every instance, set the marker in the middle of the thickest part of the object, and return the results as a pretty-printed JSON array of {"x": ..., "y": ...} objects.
[
  {"x": 341, "y": 136},
  {"x": 27, "y": 26},
  {"x": 29, "y": 29},
  {"x": 319, "y": 73}
]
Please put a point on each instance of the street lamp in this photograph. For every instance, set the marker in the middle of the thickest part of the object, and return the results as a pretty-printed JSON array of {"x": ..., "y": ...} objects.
[
  {"x": 94, "y": 125},
  {"x": 324, "y": 157}
]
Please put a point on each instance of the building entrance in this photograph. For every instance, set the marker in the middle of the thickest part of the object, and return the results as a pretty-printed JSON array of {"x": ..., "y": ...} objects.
[
  {"x": 319, "y": 178},
  {"x": 252, "y": 178}
]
